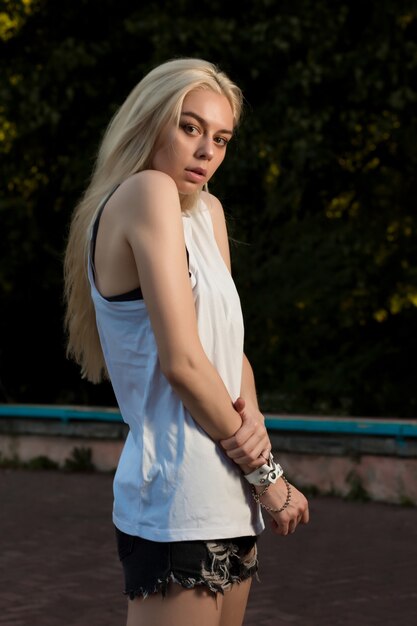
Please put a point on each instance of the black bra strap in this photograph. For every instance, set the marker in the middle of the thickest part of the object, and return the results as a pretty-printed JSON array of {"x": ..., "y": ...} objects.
[{"x": 134, "y": 294}]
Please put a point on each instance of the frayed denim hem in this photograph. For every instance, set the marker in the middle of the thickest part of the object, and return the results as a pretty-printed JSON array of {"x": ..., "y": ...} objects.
[{"x": 215, "y": 575}]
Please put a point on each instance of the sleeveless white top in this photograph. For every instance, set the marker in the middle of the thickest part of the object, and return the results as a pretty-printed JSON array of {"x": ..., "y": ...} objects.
[{"x": 173, "y": 483}]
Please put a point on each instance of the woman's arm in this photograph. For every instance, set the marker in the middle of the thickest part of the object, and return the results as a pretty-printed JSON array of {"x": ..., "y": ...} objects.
[
  {"x": 151, "y": 217},
  {"x": 252, "y": 439},
  {"x": 249, "y": 440},
  {"x": 248, "y": 387}
]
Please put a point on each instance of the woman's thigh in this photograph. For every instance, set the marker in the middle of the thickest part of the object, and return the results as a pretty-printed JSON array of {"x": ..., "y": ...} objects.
[
  {"x": 191, "y": 607},
  {"x": 194, "y": 583},
  {"x": 180, "y": 607},
  {"x": 234, "y": 604}
]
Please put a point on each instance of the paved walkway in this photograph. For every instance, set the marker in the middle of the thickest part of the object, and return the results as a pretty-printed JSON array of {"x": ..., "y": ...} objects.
[{"x": 354, "y": 565}]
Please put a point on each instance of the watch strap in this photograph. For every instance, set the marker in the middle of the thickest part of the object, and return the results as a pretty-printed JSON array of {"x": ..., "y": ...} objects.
[{"x": 266, "y": 474}]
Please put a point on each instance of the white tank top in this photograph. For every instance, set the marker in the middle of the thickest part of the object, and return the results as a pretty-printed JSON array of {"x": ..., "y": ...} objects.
[{"x": 173, "y": 483}]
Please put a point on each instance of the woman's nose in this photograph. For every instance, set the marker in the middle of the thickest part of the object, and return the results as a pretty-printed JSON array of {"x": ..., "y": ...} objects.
[{"x": 205, "y": 149}]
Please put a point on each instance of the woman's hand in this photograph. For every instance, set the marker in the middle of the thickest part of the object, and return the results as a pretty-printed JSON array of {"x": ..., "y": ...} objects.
[
  {"x": 250, "y": 445},
  {"x": 295, "y": 513},
  {"x": 250, "y": 448}
]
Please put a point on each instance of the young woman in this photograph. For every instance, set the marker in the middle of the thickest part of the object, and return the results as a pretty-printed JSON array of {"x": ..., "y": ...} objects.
[{"x": 151, "y": 304}]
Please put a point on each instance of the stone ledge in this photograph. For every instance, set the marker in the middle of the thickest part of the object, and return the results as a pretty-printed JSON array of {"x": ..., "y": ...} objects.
[
  {"x": 381, "y": 479},
  {"x": 349, "y": 459},
  {"x": 332, "y": 444},
  {"x": 343, "y": 445}
]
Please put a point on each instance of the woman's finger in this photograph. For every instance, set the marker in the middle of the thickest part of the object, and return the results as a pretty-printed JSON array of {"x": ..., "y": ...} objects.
[
  {"x": 239, "y": 404},
  {"x": 251, "y": 450},
  {"x": 292, "y": 526},
  {"x": 280, "y": 527}
]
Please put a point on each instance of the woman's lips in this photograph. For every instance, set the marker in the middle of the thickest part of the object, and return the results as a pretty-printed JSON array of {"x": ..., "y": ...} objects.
[{"x": 197, "y": 175}]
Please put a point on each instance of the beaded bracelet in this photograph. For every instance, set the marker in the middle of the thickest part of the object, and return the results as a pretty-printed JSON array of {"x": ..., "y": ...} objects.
[{"x": 257, "y": 497}]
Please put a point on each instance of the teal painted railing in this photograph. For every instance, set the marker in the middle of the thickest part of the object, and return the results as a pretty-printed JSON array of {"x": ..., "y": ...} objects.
[
  {"x": 63, "y": 413},
  {"x": 384, "y": 427},
  {"x": 352, "y": 426}
]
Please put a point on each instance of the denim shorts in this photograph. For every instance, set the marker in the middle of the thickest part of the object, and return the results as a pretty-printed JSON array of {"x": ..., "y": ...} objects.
[{"x": 149, "y": 566}]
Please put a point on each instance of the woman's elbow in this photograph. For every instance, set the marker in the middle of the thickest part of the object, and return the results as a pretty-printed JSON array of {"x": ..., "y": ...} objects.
[{"x": 180, "y": 372}]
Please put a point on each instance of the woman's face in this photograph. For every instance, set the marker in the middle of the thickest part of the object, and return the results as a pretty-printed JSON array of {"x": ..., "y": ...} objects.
[{"x": 192, "y": 152}]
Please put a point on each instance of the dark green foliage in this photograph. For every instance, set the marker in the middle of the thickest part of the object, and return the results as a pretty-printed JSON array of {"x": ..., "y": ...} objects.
[
  {"x": 319, "y": 187},
  {"x": 41, "y": 462},
  {"x": 10, "y": 462},
  {"x": 80, "y": 460},
  {"x": 357, "y": 491},
  {"x": 406, "y": 501}
]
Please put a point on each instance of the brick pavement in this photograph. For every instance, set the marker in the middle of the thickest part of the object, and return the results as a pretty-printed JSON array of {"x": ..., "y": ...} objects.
[{"x": 353, "y": 565}]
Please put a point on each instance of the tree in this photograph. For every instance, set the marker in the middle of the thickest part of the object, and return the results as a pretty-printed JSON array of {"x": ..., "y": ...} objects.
[{"x": 319, "y": 190}]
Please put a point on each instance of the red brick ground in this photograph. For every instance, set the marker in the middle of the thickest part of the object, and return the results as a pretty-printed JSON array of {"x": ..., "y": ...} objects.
[{"x": 355, "y": 564}]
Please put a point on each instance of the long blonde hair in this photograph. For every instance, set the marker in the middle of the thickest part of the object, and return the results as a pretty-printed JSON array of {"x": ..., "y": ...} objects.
[{"x": 127, "y": 148}]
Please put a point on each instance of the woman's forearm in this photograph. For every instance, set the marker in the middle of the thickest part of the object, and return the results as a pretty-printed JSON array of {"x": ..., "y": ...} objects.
[
  {"x": 248, "y": 387},
  {"x": 204, "y": 394},
  {"x": 251, "y": 443}
]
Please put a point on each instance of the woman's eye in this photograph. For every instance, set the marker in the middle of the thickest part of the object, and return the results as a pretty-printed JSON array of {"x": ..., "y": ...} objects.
[
  {"x": 190, "y": 129},
  {"x": 221, "y": 141}
]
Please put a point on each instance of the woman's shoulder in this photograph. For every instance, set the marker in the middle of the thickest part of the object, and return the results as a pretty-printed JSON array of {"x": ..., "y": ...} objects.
[
  {"x": 212, "y": 203},
  {"x": 219, "y": 224},
  {"x": 146, "y": 194},
  {"x": 215, "y": 208},
  {"x": 146, "y": 181}
]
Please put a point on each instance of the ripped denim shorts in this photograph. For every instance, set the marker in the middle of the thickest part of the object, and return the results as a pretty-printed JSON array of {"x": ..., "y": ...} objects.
[{"x": 149, "y": 566}]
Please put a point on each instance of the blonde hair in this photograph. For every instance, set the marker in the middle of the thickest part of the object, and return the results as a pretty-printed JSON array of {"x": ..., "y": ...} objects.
[{"x": 127, "y": 148}]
